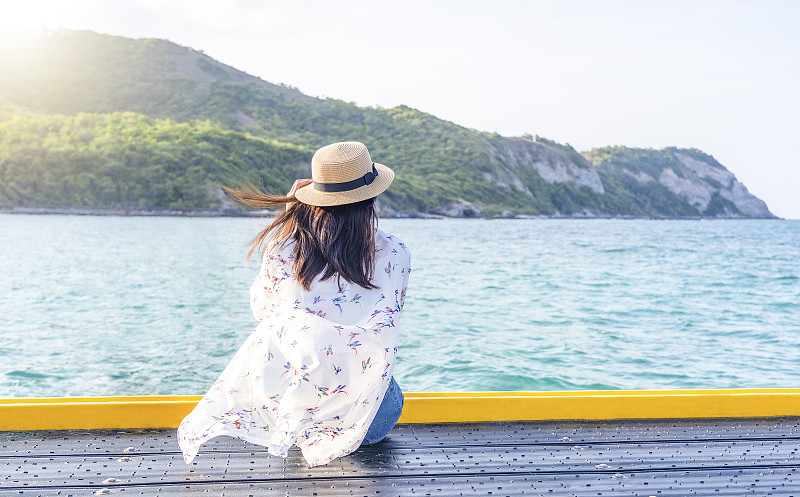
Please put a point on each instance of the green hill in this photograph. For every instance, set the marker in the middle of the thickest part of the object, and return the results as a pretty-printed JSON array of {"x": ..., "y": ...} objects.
[
  {"x": 127, "y": 160},
  {"x": 101, "y": 121}
]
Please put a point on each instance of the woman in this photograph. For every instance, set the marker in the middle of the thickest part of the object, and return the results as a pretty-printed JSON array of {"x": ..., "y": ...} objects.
[{"x": 317, "y": 370}]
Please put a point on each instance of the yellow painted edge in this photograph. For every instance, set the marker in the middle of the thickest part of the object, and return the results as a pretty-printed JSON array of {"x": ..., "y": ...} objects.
[
  {"x": 63, "y": 400},
  {"x": 428, "y": 407}
]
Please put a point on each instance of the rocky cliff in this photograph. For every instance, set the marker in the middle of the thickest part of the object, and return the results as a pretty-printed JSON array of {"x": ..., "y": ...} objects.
[
  {"x": 553, "y": 164},
  {"x": 691, "y": 175}
]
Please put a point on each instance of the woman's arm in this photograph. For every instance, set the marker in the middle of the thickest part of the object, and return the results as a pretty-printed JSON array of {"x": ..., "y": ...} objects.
[
  {"x": 405, "y": 274},
  {"x": 260, "y": 294}
]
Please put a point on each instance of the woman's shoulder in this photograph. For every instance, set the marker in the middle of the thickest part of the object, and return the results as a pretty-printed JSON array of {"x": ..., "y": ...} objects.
[
  {"x": 392, "y": 241},
  {"x": 387, "y": 244}
]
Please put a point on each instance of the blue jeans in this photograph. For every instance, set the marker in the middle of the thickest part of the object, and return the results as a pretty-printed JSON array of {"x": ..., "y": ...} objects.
[{"x": 388, "y": 414}]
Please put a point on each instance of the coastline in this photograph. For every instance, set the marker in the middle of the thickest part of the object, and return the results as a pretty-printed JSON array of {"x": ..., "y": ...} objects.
[
  {"x": 233, "y": 212},
  {"x": 76, "y": 211},
  {"x": 228, "y": 212}
]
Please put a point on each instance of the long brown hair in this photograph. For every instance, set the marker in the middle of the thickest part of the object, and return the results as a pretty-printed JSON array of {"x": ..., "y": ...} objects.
[{"x": 328, "y": 241}]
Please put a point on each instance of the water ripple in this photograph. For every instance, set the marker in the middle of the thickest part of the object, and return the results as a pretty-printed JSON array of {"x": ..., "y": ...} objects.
[{"x": 162, "y": 304}]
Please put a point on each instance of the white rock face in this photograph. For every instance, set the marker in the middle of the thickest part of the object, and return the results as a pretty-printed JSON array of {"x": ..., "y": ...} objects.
[
  {"x": 695, "y": 193},
  {"x": 560, "y": 171},
  {"x": 701, "y": 182},
  {"x": 555, "y": 166},
  {"x": 706, "y": 170},
  {"x": 730, "y": 188},
  {"x": 745, "y": 201}
]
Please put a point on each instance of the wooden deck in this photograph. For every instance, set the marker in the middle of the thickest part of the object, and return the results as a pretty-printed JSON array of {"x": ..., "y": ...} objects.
[{"x": 720, "y": 457}]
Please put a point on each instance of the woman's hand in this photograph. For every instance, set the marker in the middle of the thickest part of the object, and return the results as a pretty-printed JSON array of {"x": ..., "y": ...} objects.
[{"x": 299, "y": 183}]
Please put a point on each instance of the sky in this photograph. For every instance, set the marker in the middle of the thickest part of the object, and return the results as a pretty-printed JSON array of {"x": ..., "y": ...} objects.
[{"x": 721, "y": 76}]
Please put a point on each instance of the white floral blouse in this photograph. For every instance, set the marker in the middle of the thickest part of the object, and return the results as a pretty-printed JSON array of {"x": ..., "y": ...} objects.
[{"x": 315, "y": 369}]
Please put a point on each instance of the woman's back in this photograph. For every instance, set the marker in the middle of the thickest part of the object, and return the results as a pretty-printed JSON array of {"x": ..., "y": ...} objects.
[{"x": 335, "y": 299}]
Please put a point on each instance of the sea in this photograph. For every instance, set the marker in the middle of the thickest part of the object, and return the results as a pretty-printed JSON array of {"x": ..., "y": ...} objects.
[{"x": 109, "y": 305}]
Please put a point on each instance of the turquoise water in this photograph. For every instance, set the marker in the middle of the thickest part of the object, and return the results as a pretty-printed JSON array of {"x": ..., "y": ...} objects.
[{"x": 143, "y": 305}]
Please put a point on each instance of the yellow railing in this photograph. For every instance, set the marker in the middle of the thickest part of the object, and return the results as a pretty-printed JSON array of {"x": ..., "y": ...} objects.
[{"x": 452, "y": 407}]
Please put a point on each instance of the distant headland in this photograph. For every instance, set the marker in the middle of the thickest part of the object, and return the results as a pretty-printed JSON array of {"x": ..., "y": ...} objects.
[{"x": 92, "y": 123}]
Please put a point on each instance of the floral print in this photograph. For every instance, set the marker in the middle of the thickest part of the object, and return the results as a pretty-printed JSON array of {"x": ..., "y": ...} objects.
[{"x": 315, "y": 369}]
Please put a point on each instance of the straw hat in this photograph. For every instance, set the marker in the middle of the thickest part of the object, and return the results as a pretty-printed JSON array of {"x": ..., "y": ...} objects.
[{"x": 344, "y": 173}]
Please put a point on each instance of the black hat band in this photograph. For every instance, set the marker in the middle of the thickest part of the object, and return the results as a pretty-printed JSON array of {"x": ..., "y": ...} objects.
[{"x": 365, "y": 180}]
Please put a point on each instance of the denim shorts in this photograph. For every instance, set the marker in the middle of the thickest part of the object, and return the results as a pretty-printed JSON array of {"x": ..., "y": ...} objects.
[{"x": 388, "y": 414}]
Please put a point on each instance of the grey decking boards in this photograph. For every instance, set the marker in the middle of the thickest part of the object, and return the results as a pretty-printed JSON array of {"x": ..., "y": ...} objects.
[{"x": 674, "y": 457}]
